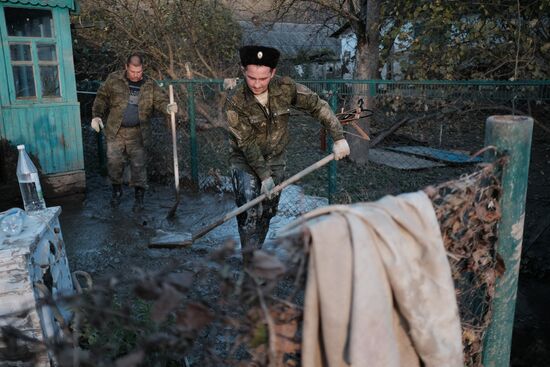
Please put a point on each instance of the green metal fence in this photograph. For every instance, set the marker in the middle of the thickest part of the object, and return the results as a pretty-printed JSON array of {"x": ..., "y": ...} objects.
[
  {"x": 404, "y": 161},
  {"x": 413, "y": 98}
]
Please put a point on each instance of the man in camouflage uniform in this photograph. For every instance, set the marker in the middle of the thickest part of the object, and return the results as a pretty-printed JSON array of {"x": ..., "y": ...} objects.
[
  {"x": 127, "y": 100},
  {"x": 258, "y": 113}
]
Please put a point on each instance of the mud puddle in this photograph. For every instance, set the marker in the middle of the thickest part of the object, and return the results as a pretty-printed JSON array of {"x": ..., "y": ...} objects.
[{"x": 102, "y": 240}]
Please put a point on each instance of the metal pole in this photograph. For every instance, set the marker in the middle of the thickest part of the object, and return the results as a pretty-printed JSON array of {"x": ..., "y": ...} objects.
[
  {"x": 193, "y": 133},
  {"x": 372, "y": 89},
  {"x": 332, "y": 165},
  {"x": 512, "y": 135}
]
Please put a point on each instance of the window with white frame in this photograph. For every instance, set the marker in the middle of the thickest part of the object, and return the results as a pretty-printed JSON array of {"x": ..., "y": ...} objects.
[{"x": 33, "y": 53}]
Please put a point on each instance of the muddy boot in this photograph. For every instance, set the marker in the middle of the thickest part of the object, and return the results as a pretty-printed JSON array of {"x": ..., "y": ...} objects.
[
  {"x": 117, "y": 195},
  {"x": 138, "y": 203}
]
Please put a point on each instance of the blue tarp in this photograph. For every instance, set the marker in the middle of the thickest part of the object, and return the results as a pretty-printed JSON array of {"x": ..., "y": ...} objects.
[{"x": 437, "y": 154}]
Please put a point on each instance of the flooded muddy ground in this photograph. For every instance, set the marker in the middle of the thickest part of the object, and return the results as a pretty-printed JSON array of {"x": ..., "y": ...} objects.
[
  {"x": 107, "y": 242},
  {"x": 103, "y": 240}
]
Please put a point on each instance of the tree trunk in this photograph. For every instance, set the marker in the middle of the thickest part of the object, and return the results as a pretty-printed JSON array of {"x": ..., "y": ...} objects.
[{"x": 367, "y": 57}]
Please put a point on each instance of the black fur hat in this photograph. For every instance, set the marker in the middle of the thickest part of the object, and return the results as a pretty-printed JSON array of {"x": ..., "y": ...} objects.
[{"x": 259, "y": 55}]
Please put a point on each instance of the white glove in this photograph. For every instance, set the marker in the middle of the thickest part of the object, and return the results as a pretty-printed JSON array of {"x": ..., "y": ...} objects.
[
  {"x": 97, "y": 124},
  {"x": 172, "y": 107},
  {"x": 340, "y": 149},
  {"x": 267, "y": 186},
  {"x": 230, "y": 83}
]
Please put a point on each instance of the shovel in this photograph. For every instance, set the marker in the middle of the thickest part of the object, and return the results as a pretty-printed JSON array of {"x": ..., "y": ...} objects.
[
  {"x": 172, "y": 211},
  {"x": 186, "y": 239}
]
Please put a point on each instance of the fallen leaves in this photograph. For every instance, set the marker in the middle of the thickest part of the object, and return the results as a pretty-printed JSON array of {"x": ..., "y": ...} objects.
[{"x": 468, "y": 212}]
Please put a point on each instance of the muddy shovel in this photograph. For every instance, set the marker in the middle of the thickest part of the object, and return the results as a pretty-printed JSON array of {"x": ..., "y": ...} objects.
[
  {"x": 186, "y": 239},
  {"x": 172, "y": 211}
]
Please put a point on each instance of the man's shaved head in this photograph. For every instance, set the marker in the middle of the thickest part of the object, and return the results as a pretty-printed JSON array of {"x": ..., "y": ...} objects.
[{"x": 134, "y": 59}]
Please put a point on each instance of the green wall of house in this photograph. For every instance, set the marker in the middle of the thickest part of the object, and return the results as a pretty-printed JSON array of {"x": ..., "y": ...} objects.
[{"x": 49, "y": 126}]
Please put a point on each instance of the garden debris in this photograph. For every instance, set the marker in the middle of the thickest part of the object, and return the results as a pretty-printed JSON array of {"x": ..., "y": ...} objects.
[{"x": 468, "y": 212}]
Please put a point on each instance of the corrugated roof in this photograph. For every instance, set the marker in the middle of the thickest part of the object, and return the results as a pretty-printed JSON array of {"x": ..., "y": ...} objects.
[
  {"x": 70, "y": 4},
  {"x": 291, "y": 38}
]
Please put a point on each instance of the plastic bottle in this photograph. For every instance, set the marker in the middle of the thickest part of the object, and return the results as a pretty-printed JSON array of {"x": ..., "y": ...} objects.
[
  {"x": 11, "y": 222},
  {"x": 29, "y": 182}
]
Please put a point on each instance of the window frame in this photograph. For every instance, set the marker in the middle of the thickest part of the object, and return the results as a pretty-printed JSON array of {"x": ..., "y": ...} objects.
[
  {"x": 36, "y": 63},
  {"x": 22, "y": 63}
]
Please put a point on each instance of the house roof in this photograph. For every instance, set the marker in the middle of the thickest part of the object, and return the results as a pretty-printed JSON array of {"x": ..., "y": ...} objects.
[
  {"x": 291, "y": 38},
  {"x": 70, "y": 4}
]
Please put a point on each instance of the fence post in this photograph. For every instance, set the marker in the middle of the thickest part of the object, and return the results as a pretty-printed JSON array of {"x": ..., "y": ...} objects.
[
  {"x": 510, "y": 134},
  {"x": 332, "y": 165},
  {"x": 193, "y": 132},
  {"x": 372, "y": 91}
]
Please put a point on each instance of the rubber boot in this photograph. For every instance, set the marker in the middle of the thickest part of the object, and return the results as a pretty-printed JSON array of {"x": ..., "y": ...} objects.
[
  {"x": 138, "y": 203},
  {"x": 117, "y": 195}
]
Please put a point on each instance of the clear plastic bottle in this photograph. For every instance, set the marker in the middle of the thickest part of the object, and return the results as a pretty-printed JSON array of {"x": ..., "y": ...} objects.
[{"x": 29, "y": 182}]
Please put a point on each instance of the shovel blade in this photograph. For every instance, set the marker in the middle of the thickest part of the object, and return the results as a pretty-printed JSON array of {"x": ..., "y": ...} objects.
[{"x": 171, "y": 240}]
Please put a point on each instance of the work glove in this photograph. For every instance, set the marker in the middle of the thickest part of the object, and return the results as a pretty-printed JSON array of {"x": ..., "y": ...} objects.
[
  {"x": 97, "y": 124},
  {"x": 230, "y": 83},
  {"x": 267, "y": 186},
  {"x": 172, "y": 107},
  {"x": 340, "y": 149}
]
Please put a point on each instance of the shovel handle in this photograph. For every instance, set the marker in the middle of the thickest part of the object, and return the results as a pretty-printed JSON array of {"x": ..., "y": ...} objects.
[
  {"x": 262, "y": 197},
  {"x": 174, "y": 139}
]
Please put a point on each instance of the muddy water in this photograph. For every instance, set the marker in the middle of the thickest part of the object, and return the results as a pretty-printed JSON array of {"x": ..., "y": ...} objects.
[{"x": 102, "y": 240}]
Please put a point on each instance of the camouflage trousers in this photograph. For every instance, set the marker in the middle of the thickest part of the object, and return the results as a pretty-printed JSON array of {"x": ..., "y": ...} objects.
[
  {"x": 254, "y": 223},
  {"x": 127, "y": 145}
]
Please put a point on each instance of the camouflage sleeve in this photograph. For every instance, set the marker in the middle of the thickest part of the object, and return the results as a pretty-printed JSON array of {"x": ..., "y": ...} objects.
[
  {"x": 243, "y": 136},
  {"x": 307, "y": 100},
  {"x": 160, "y": 99},
  {"x": 101, "y": 104}
]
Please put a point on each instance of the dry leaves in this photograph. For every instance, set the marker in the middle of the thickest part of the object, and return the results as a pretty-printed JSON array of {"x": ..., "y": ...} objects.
[{"x": 468, "y": 212}]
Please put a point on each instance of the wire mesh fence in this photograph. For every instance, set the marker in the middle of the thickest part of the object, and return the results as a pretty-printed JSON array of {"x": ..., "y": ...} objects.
[{"x": 422, "y": 133}]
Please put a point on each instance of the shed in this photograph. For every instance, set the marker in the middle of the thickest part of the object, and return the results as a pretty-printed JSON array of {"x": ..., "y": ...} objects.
[{"x": 38, "y": 101}]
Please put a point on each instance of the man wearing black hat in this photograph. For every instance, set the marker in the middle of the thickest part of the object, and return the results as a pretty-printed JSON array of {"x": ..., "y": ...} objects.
[{"x": 257, "y": 113}]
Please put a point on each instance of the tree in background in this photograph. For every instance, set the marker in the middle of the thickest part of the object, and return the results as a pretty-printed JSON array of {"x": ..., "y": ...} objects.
[
  {"x": 503, "y": 40},
  {"x": 179, "y": 39}
]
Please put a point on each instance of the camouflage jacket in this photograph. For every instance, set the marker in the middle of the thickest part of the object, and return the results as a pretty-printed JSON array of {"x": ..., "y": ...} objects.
[
  {"x": 258, "y": 138},
  {"x": 112, "y": 99}
]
